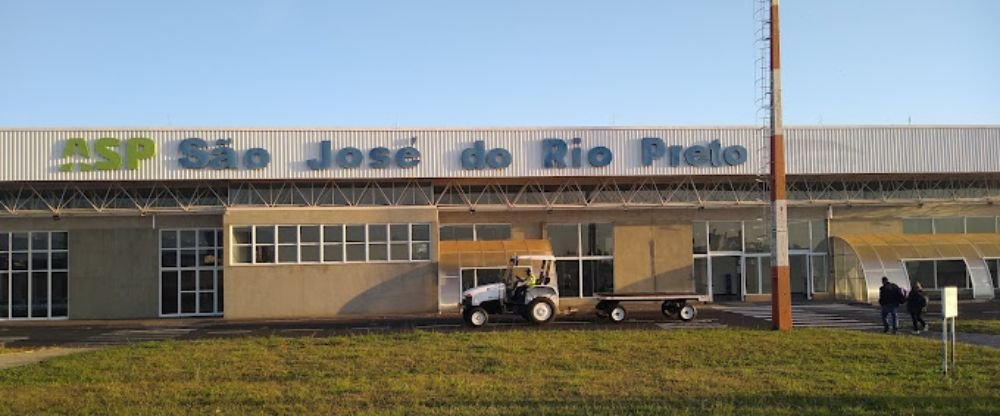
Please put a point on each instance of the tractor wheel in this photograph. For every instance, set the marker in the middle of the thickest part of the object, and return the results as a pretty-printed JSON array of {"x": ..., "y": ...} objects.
[
  {"x": 541, "y": 311},
  {"x": 687, "y": 312},
  {"x": 476, "y": 317},
  {"x": 617, "y": 314},
  {"x": 670, "y": 308}
]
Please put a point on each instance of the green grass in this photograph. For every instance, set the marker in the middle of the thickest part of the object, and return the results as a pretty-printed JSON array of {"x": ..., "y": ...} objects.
[
  {"x": 976, "y": 326},
  {"x": 652, "y": 372}
]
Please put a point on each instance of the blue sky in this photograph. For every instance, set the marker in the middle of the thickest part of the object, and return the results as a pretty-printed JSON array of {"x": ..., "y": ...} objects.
[{"x": 502, "y": 63}]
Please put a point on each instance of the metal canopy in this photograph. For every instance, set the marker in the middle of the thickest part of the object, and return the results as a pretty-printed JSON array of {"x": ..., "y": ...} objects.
[{"x": 885, "y": 255}]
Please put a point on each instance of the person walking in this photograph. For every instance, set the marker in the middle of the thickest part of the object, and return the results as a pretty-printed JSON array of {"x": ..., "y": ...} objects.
[
  {"x": 889, "y": 298},
  {"x": 916, "y": 302}
]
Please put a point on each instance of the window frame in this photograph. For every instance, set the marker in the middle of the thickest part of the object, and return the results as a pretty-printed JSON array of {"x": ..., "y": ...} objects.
[
  {"x": 218, "y": 246},
  {"x": 7, "y": 272},
  {"x": 342, "y": 228},
  {"x": 475, "y": 229},
  {"x": 580, "y": 258}
]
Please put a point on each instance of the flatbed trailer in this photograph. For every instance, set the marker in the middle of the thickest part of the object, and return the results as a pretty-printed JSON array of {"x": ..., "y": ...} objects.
[{"x": 675, "y": 305}]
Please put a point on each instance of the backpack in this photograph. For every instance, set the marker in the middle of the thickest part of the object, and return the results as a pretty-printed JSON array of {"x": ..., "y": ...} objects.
[{"x": 898, "y": 292}]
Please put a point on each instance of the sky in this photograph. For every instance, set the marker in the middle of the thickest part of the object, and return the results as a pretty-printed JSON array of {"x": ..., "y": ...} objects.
[{"x": 462, "y": 63}]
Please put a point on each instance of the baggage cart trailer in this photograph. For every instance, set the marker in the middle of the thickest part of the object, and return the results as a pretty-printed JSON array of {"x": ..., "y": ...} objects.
[{"x": 675, "y": 305}]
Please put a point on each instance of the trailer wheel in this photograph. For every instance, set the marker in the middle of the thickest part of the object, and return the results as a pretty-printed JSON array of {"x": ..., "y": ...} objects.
[
  {"x": 476, "y": 317},
  {"x": 617, "y": 313},
  {"x": 670, "y": 308},
  {"x": 603, "y": 308},
  {"x": 687, "y": 312},
  {"x": 541, "y": 311}
]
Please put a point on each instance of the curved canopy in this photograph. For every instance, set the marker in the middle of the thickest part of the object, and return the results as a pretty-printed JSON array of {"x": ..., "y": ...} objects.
[
  {"x": 459, "y": 254},
  {"x": 885, "y": 255}
]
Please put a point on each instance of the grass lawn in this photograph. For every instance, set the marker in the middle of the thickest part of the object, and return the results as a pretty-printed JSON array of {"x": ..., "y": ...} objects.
[
  {"x": 977, "y": 326},
  {"x": 652, "y": 372}
]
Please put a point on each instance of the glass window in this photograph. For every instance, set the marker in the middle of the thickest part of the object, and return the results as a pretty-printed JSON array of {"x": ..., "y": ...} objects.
[
  {"x": 569, "y": 277},
  {"x": 725, "y": 235},
  {"x": 493, "y": 231},
  {"x": 377, "y": 233},
  {"x": 488, "y": 276},
  {"x": 949, "y": 225},
  {"x": 33, "y": 277},
  {"x": 464, "y": 232},
  {"x": 399, "y": 232},
  {"x": 39, "y": 241},
  {"x": 287, "y": 234},
  {"x": 819, "y": 240},
  {"x": 333, "y": 233},
  {"x": 700, "y": 275},
  {"x": 819, "y": 274},
  {"x": 598, "y": 277},
  {"x": 378, "y": 252},
  {"x": 309, "y": 234},
  {"x": 188, "y": 238},
  {"x": 355, "y": 233},
  {"x": 598, "y": 239},
  {"x": 921, "y": 271},
  {"x": 757, "y": 240},
  {"x": 917, "y": 226},
  {"x": 264, "y": 234},
  {"x": 333, "y": 252},
  {"x": 468, "y": 278},
  {"x": 19, "y": 241},
  {"x": 421, "y": 251},
  {"x": 265, "y": 254},
  {"x": 190, "y": 271},
  {"x": 60, "y": 241},
  {"x": 356, "y": 252},
  {"x": 168, "y": 239},
  {"x": 421, "y": 232},
  {"x": 798, "y": 235},
  {"x": 980, "y": 225},
  {"x": 564, "y": 239},
  {"x": 699, "y": 237},
  {"x": 241, "y": 235},
  {"x": 206, "y": 238},
  {"x": 399, "y": 251},
  {"x": 753, "y": 275},
  {"x": 288, "y": 254},
  {"x": 952, "y": 273}
]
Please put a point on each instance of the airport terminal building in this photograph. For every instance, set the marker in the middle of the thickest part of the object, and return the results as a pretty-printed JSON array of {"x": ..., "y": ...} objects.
[{"x": 306, "y": 223}]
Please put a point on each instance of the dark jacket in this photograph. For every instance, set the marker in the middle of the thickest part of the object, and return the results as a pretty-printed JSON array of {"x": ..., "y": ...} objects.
[
  {"x": 889, "y": 295},
  {"x": 916, "y": 301}
]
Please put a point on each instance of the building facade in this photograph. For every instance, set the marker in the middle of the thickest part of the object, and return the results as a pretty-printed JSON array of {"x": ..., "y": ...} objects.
[{"x": 300, "y": 223}]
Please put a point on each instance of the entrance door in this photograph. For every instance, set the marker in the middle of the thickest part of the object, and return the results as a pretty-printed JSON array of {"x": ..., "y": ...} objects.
[
  {"x": 726, "y": 278},
  {"x": 798, "y": 274}
]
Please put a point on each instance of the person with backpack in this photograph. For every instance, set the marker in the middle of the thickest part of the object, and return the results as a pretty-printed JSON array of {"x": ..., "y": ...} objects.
[
  {"x": 916, "y": 302},
  {"x": 890, "y": 296}
]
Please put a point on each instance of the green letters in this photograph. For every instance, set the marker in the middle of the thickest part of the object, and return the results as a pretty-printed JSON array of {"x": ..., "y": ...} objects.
[
  {"x": 107, "y": 147},
  {"x": 139, "y": 148},
  {"x": 108, "y": 151}
]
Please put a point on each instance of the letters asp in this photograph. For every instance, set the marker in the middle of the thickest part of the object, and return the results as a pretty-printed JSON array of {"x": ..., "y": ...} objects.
[{"x": 108, "y": 152}]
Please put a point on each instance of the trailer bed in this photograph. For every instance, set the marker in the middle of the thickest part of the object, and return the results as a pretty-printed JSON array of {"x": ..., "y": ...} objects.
[
  {"x": 676, "y": 305},
  {"x": 651, "y": 296}
]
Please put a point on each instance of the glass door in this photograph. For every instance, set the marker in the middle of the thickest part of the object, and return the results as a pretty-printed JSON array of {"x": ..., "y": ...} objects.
[
  {"x": 798, "y": 274},
  {"x": 727, "y": 278}
]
